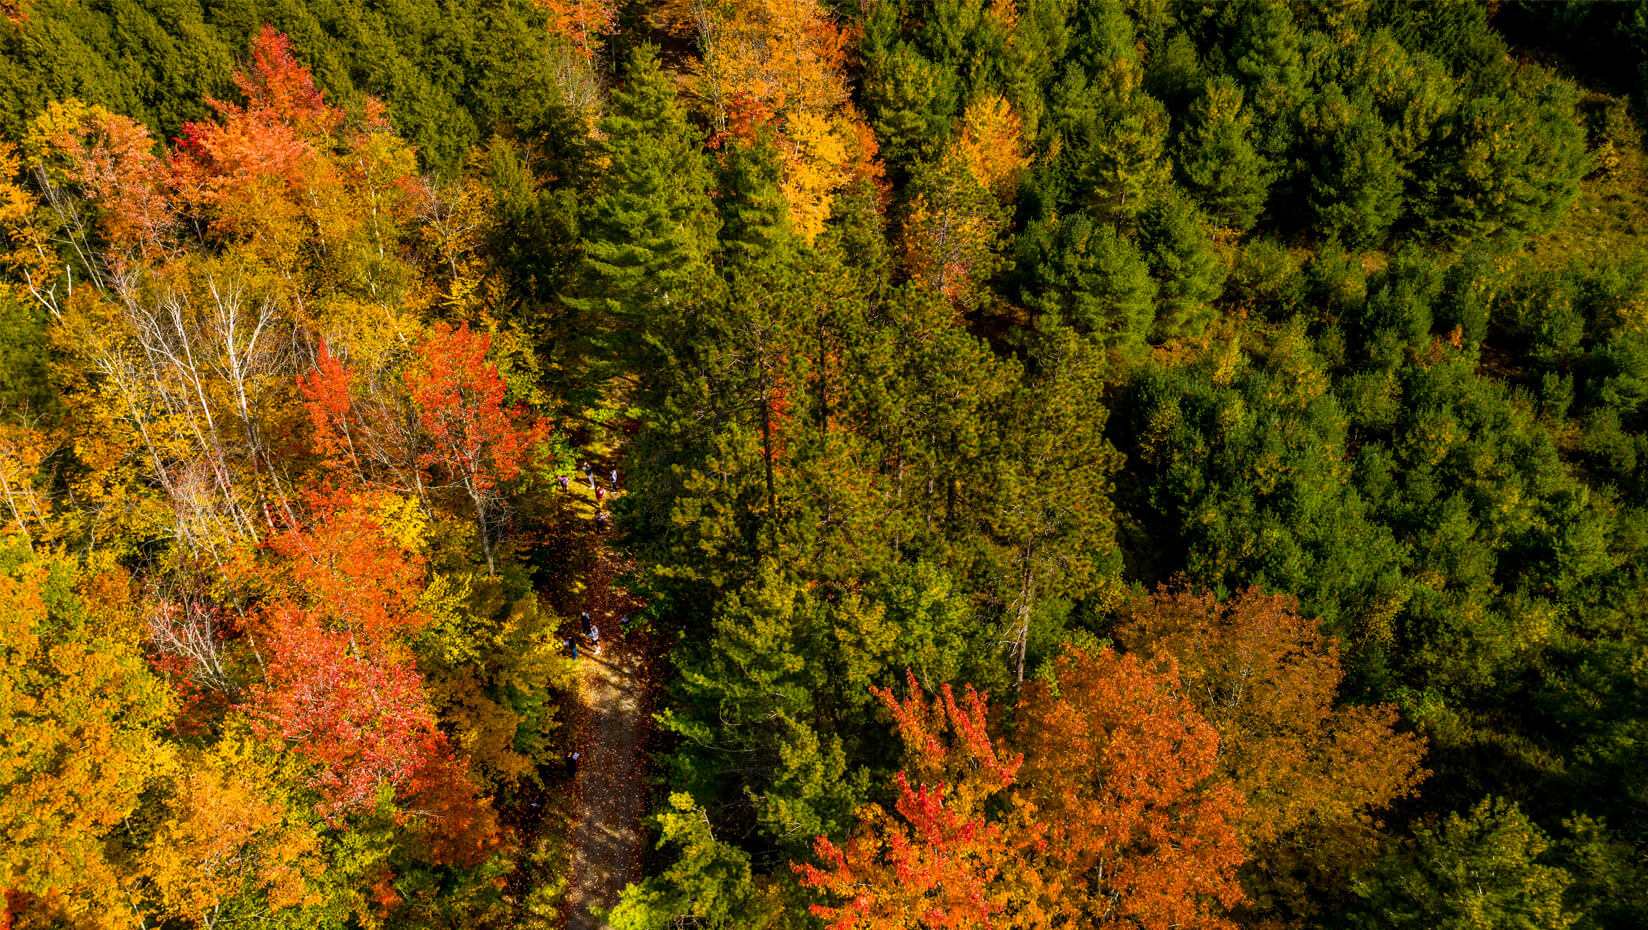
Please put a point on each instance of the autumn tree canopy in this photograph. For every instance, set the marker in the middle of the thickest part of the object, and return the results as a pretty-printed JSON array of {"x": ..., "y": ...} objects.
[{"x": 1251, "y": 398}]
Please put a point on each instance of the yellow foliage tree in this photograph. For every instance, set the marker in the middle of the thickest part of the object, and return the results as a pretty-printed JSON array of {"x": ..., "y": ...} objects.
[
  {"x": 230, "y": 840},
  {"x": 992, "y": 145},
  {"x": 80, "y": 711},
  {"x": 814, "y": 163},
  {"x": 23, "y": 248},
  {"x": 786, "y": 55},
  {"x": 781, "y": 64}
]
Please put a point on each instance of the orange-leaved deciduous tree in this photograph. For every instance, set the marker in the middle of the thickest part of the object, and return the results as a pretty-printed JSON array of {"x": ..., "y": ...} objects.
[
  {"x": 364, "y": 428},
  {"x": 108, "y": 161},
  {"x": 260, "y": 173},
  {"x": 1315, "y": 775},
  {"x": 584, "y": 23},
  {"x": 361, "y": 718},
  {"x": 329, "y": 405},
  {"x": 474, "y": 439},
  {"x": 1120, "y": 765},
  {"x": 443, "y": 423},
  {"x": 788, "y": 55},
  {"x": 340, "y": 687},
  {"x": 941, "y": 862},
  {"x": 230, "y": 846},
  {"x": 348, "y": 568},
  {"x": 286, "y": 167}
]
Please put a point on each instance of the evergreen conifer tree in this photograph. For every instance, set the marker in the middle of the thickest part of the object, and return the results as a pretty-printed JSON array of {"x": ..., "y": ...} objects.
[
  {"x": 1218, "y": 160},
  {"x": 649, "y": 228}
]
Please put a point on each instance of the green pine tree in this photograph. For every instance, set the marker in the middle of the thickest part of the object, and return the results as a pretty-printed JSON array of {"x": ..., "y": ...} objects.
[
  {"x": 1091, "y": 278},
  {"x": 648, "y": 230},
  {"x": 1218, "y": 160},
  {"x": 1175, "y": 240},
  {"x": 1481, "y": 869},
  {"x": 1108, "y": 133},
  {"x": 1355, "y": 187}
]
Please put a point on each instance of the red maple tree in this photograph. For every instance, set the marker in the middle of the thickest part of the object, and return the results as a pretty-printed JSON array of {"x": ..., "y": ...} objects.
[
  {"x": 940, "y": 863},
  {"x": 343, "y": 567},
  {"x": 475, "y": 440}
]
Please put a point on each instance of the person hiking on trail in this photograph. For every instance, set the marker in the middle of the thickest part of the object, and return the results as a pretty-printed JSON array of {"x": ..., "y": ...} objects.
[
  {"x": 572, "y": 765},
  {"x": 601, "y": 519},
  {"x": 573, "y": 645},
  {"x": 613, "y": 475},
  {"x": 564, "y": 486},
  {"x": 595, "y": 639},
  {"x": 600, "y": 494},
  {"x": 584, "y": 622}
]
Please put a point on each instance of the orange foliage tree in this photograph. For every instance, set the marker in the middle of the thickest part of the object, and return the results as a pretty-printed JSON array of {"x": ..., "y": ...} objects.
[
  {"x": 940, "y": 863},
  {"x": 340, "y": 687},
  {"x": 108, "y": 161},
  {"x": 788, "y": 55},
  {"x": 346, "y": 566},
  {"x": 474, "y": 439},
  {"x": 1314, "y": 775},
  {"x": 229, "y": 837},
  {"x": 582, "y": 22},
  {"x": 450, "y": 425},
  {"x": 1112, "y": 817},
  {"x": 1119, "y": 765}
]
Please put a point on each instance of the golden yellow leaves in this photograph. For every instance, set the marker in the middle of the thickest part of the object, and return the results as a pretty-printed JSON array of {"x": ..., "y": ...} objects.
[
  {"x": 80, "y": 712},
  {"x": 228, "y": 831},
  {"x": 786, "y": 55},
  {"x": 23, "y": 251},
  {"x": 814, "y": 170},
  {"x": 781, "y": 64},
  {"x": 22, "y": 449},
  {"x": 992, "y": 145},
  {"x": 402, "y": 520}
]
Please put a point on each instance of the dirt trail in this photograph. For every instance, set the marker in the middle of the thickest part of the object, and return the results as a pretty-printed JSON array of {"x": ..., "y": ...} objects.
[
  {"x": 614, "y": 694},
  {"x": 607, "y": 837}
]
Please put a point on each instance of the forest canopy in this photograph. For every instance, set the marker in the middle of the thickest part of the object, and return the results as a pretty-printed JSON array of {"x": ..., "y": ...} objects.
[{"x": 1121, "y": 464}]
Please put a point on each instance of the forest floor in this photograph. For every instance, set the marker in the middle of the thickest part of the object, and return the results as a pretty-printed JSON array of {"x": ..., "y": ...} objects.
[
  {"x": 614, "y": 719},
  {"x": 607, "y": 837}
]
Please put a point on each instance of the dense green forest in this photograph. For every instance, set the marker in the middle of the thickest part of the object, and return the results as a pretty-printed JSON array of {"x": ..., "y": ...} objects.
[{"x": 860, "y": 464}]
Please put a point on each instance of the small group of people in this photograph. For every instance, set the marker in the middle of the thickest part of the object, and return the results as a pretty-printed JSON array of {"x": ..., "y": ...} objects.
[
  {"x": 592, "y": 633},
  {"x": 599, "y": 490},
  {"x": 589, "y": 475}
]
